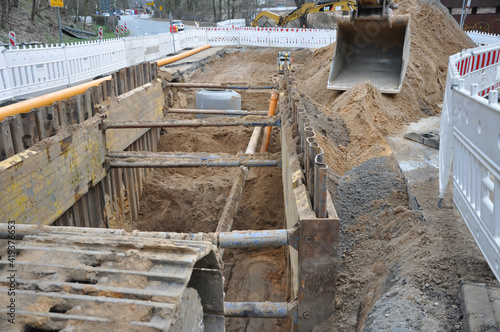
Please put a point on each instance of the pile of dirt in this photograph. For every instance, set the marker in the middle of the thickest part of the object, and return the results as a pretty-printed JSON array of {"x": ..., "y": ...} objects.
[{"x": 370, "y": 115}]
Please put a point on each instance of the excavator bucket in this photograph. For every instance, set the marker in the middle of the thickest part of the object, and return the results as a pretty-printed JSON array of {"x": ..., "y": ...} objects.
[{"x": 371, "y": 50}]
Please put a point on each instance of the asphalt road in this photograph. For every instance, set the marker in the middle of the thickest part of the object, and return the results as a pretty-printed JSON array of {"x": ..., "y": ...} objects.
[{"x": 140, "y": 26}]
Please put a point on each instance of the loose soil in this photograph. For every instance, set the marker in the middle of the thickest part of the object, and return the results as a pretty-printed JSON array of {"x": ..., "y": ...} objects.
[{"x": 399, "y": 268}]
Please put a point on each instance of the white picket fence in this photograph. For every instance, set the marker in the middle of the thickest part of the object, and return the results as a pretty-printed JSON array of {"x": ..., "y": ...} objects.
[
  {"x": 483, "y": 38},
  {"x": 470, "y": 140},
  {"x": 30, "y": 71}
]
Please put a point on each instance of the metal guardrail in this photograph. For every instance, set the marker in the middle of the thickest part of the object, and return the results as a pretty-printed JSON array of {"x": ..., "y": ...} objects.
[{"x": 470, "y": 139}]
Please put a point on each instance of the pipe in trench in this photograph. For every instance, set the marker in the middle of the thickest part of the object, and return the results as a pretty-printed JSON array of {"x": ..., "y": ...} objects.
[
  {"x": 170, "y": 59},
  {"x": 267, "y": 132},
  {"x": 257, "y": 309},
  {"x": 47, "y": 99}
]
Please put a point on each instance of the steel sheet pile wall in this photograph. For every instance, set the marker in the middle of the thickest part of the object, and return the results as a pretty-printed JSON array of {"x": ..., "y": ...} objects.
[
  {"x": 313, "y": 268},
  {"x": 470, "y": 137},
  {"x": 52, "y": 169}
]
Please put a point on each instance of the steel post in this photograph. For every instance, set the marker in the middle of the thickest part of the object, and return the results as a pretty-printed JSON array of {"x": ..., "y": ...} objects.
[
  {"x": 317, "y": 257},
  {"x": 224, "y": 112},
  {"x": 216, "y": 122},
  {"x": 320, "y": 185}
]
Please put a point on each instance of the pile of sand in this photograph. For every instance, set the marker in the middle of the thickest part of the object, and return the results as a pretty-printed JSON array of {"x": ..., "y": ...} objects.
[{"x": 370, "y": 115}]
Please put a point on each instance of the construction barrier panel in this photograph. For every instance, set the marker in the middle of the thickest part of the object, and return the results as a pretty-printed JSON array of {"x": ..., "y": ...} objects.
[
  {"x": 30, "y": 71},
  {"x": 470, "y": 140}
]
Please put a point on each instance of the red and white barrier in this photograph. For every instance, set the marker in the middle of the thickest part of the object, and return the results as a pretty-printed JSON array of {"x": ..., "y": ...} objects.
[
  {"x": 125, "y": 26},
  {"x": 121, "y": 30},
  {"x": 100, "y": 33},
  {"x": 117, "y": 31},
  {"x": 12, "y": 39}
]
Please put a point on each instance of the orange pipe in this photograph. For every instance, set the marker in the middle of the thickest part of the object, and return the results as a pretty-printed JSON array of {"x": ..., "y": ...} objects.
[
  {"x": 267, "y": 132},
  {"x": 48, "y": 99},
  {"x": 171, "y": 59}
]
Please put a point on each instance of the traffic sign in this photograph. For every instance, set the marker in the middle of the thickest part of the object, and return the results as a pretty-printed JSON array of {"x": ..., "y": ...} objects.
[
  {"x": 152, "y": 3},
  {"x": 161, "y": 7},
  {"x": 12, "y": 39},
  {"x": 56, "y": 3}
]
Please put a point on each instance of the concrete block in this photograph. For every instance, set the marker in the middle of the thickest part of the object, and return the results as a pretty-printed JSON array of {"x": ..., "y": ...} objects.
[{"x": 477, "y": 308}]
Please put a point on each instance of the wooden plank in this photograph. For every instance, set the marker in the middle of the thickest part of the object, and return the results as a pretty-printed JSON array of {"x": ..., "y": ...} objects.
[
  {"x": 137, "y": 78},
  {"x": 130, "y": 79},
  {"x": 87, "y": 105},
  {"x": 146, "y": 72},
  {"x": 16, "y": 132},
  {"x": 59, "y": 111},
  {"x": 30, "y": 131},
  {"x": 77, "y": 104},
  {"x": 20, "y": 167},
  {"x": 108, "y": 199},
  {"x": 115, "y": 79},
  {"x": 140, "y": 74},
  {"x": 144, "y": 103},
  {"x": 104, "y": 90},
  {"x": 122, "y": 82},
  {"x": 130, "y": 193},
  {"x": 6, "y": 144},
  {"x": 154, "y": 70},
  {"x": 110, "y": 92},
  {"x": 40, "y": 185},
  {"x": 50, "y": 121},
  {"x": 118, "y": 191},
  {"x": 39, "y": 117}
]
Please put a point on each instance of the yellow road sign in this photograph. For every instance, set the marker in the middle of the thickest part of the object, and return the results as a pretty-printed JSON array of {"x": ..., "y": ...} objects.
[
  {"x": 56, "y": 3},
  {"x": 152, "y": 3},
  {"x": 161, "y": 7}
]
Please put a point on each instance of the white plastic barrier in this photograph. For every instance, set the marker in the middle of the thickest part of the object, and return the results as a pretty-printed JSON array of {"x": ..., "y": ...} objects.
[
  {"x": 35, "y": 69},
  {"x": 483, "y": 38},
  {"x": 470, "y": 137},
  {"x": 5, "y": 84},
  {"x": 271, "y": 37},
  {"x": 237, "y": 22},
  {"x": 90, "y": 59},
  {"x": 27, "y": 72}
]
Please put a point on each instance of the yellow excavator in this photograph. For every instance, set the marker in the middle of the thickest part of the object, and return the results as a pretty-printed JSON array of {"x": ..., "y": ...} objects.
[
  {"x": 307, "y": 8},
  {"x": 373, "y": 45}
]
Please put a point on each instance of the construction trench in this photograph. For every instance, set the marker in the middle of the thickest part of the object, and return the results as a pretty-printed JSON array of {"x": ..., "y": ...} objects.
[{"x": 391, "y": 261}]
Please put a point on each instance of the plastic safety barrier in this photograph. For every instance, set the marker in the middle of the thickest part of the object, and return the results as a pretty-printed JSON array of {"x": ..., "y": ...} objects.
[
  {"x": 470, "y": 140},
  {"x": 30, "y": 71},
  {"x": 483, "y": 38}
]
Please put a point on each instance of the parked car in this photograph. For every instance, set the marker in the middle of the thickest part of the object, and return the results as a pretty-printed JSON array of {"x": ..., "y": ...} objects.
[{"x": 178, "y": 24}]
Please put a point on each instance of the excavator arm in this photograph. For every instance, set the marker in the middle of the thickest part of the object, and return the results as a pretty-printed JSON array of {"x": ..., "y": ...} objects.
[{"x": 307, "y": 8}]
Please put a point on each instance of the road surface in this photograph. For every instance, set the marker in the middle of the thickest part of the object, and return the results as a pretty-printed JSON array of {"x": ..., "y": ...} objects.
[{"x": 140, "y": 26}]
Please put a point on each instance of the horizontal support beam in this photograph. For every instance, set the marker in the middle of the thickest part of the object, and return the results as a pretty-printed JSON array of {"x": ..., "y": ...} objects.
[
  {"x": 168, "y": 162},
  {"x": 225, "y": 112},
  {"x": 190, "y": 155},
  {"x": 213, "y": 122},
  {"x": 254, "y": 239},
  {"x": 234, "y": 239},
  {"x": 218, "y": 86},
  {"x": 258, "y": 309}
]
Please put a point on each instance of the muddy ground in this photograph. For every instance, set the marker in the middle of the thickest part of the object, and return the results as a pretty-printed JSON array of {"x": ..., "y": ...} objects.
[{"x": 399, "y": 268}]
